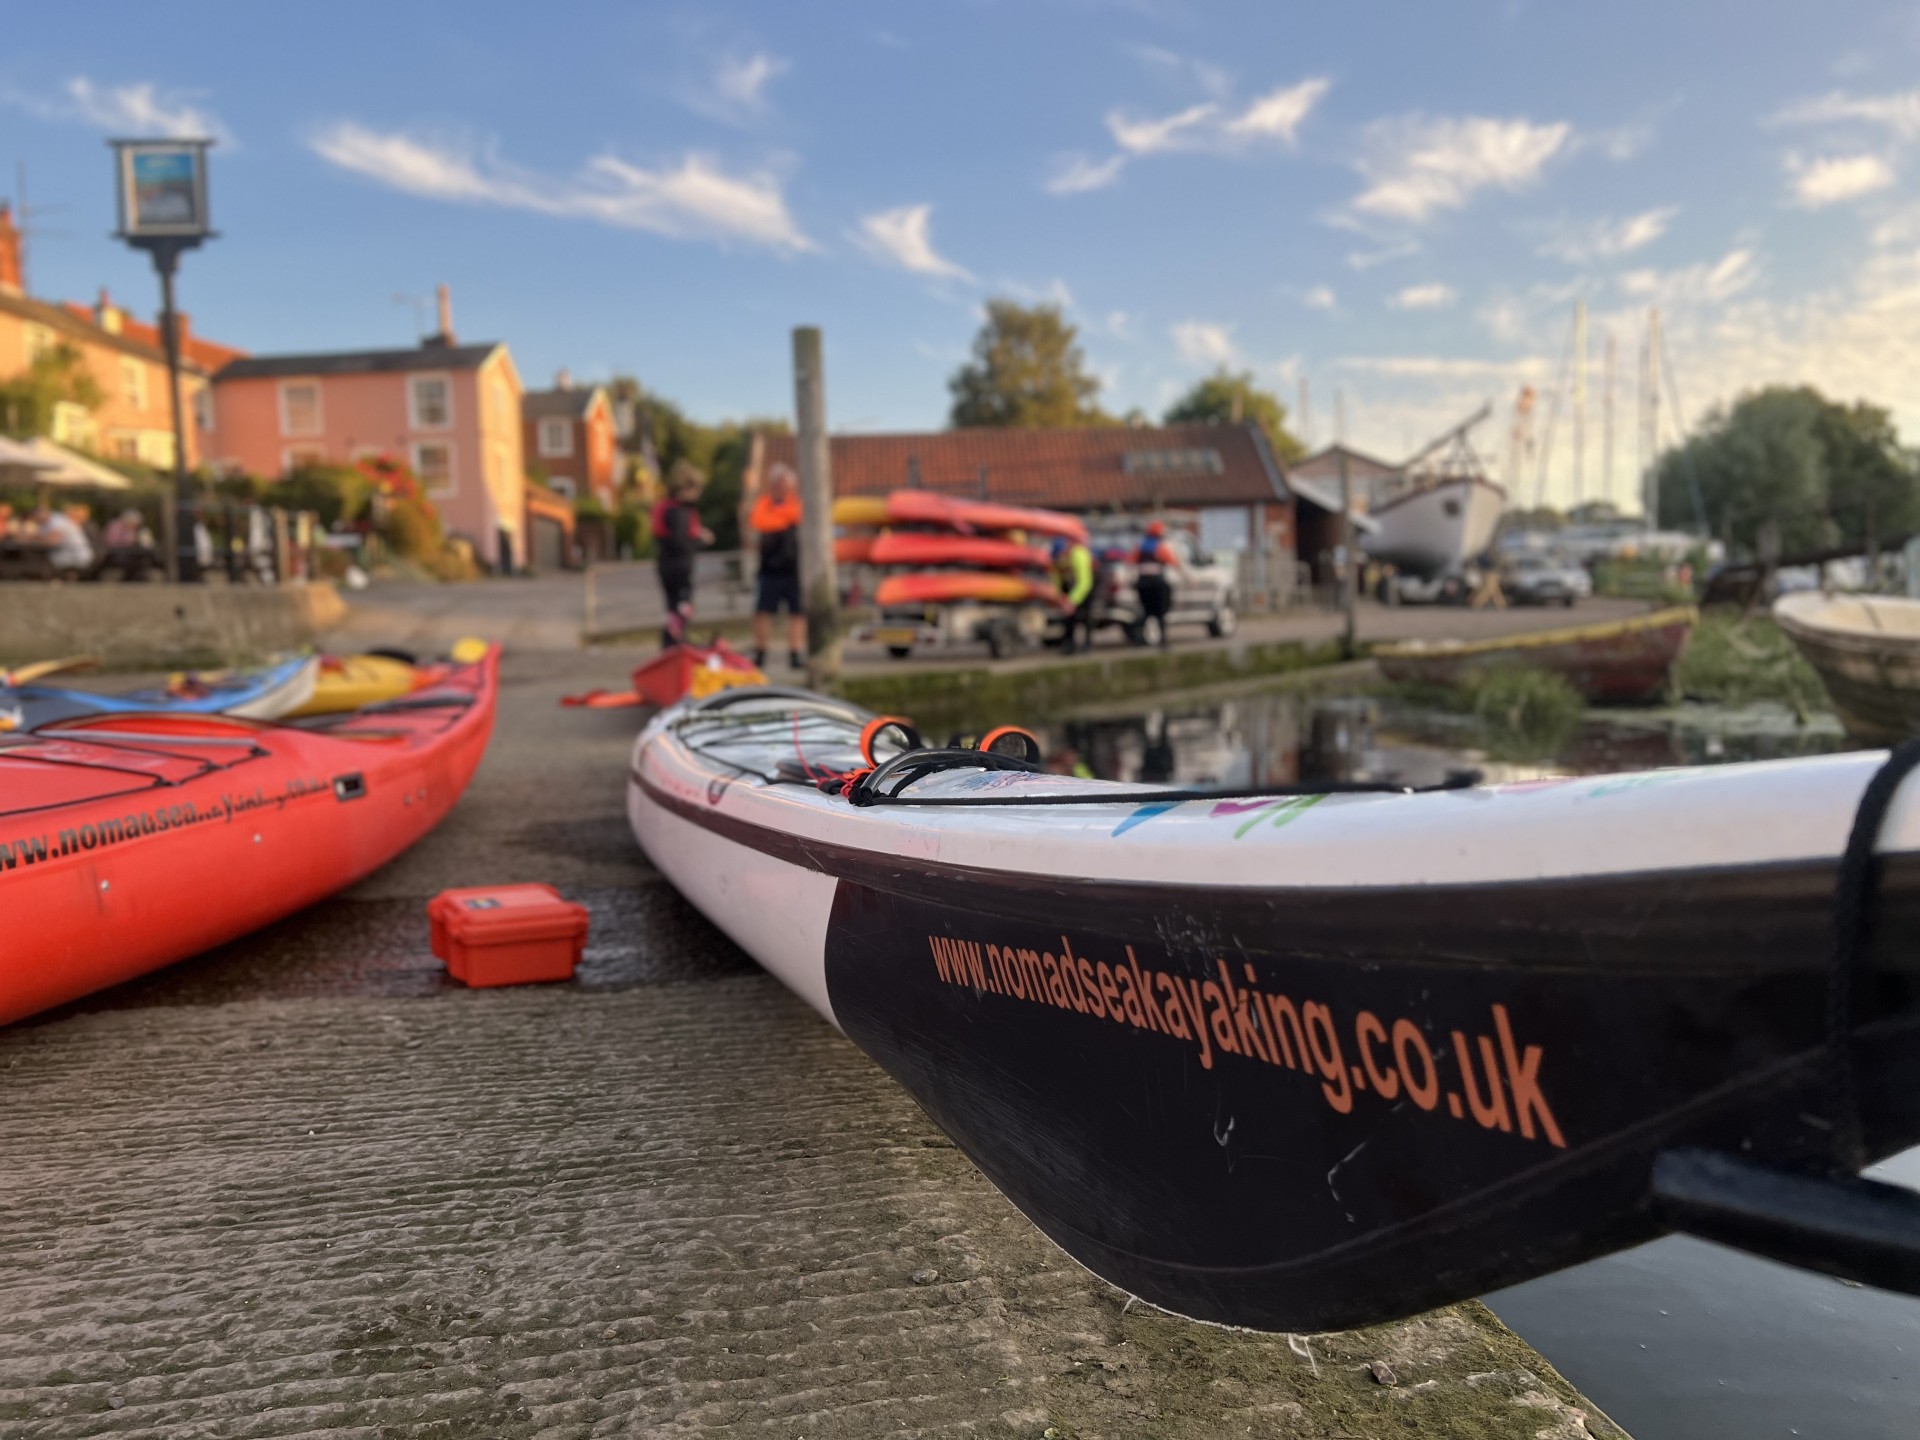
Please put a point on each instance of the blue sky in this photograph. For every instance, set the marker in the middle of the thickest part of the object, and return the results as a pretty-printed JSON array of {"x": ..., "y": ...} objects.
[{"x": 1398, "y": 203}]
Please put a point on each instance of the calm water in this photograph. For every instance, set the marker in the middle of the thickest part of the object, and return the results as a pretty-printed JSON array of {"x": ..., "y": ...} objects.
[{"x": 1679, "y": 1339}]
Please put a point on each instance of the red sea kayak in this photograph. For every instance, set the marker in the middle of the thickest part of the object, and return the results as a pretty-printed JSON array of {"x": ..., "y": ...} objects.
[
  {"x": 910, "y": 547},
  {"x": 940, "y": 586},
  {"x": 929, "y": 507},
  {"x": 130, "y": 841}
]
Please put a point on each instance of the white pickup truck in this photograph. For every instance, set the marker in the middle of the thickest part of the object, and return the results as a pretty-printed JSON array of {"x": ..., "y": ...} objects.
[{"x": 1204, "y": 587}]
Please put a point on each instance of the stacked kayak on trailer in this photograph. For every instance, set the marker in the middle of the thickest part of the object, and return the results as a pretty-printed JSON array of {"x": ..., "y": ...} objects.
[
  {"x": 1300, "y": 1061},
  {"x": 133, "y": 839}
]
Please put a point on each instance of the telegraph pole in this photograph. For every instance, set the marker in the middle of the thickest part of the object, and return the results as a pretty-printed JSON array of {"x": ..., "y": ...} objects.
[
  {"x": 821, "y": 586},
  {"x": 1348, "y": 647}
]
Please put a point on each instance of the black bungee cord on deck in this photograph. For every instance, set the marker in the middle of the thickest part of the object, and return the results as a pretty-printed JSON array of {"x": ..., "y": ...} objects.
[{"x": 911, "y": 766}]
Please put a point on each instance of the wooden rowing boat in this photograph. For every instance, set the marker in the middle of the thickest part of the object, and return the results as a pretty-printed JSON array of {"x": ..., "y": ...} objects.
[
  {"x": 1618, "y": 662},
  {"x": 1305, "y": 1061},
  {"x": 1867, "y": 651}
]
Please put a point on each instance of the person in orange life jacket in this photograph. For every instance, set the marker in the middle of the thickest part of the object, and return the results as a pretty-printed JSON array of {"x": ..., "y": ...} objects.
[
  {"x": 776, "y": 521},
  {"x": 1155, "y": 564},
  {"x": 1074, "y": 574},
  {"x": 677, "y": 534}
]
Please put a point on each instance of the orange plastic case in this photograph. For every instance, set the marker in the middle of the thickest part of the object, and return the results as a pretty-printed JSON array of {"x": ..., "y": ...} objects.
[{"x": 507, "y": 934}]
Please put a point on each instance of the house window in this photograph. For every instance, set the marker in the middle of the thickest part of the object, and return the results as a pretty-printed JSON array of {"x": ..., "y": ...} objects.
[
  {"x": 301, "y": 457},
  {"x": 556, "y": 437},
  {"x": 433, "y": 463},
  {"x": 561, "y": 485},
  {"x": 432, "y": 402},
  {"x": 133, "y": 384},
  {"x": 39, "y": 340},
  {"x": 203, "y": 410},
  {"x": 299, "y": 408},
  {"x": 126, "y": 447}
]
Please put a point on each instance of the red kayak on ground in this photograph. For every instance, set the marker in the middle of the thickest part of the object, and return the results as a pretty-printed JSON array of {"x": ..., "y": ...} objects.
[
  {"x": 130, "y": 841},
  {"x": 939, "y": 586},
  {"x": 914, "y": 547}
]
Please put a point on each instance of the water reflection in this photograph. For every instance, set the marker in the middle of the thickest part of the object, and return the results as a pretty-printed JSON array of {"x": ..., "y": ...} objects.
[
  {"x": 1679, "y": 1339},
  {"x": 1290, "y": 738}
]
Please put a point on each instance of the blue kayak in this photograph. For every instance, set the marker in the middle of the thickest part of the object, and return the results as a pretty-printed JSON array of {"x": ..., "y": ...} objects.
[{"x": 262, "y": 694}]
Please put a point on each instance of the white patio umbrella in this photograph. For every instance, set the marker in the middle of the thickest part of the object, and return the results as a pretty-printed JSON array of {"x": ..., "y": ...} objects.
[{"x": 51, "y": 464}]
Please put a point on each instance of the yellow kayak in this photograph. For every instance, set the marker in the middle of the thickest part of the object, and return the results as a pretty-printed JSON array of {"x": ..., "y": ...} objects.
[
  {"x": 348, "y": 682},
  {"x": 860, "y": 510}
]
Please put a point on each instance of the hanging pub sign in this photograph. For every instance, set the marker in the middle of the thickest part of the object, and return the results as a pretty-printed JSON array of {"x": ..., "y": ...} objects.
[{"x": 163, "y": 189}]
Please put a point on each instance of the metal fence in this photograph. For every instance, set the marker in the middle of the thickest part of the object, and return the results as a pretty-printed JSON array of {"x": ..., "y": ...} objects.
[{"x": 623, "y": 597}]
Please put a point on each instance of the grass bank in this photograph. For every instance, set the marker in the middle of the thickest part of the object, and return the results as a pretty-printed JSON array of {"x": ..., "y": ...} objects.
[
  {"x": 1515, "y": 714},
  {"x": 1736, "y": 661},
  {"x": 1016, "y": 692}
]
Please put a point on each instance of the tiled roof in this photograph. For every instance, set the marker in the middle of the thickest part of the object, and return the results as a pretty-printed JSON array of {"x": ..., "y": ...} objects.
[
  {"x": 361, "y": 362},
  {"x": 81, "y": 330},
  {"x": 1117, "y": 467},
  {"x": 209, "y": 355},
  {"x": 571, "y": 404},
  {"x": 1324, "y": 464}
]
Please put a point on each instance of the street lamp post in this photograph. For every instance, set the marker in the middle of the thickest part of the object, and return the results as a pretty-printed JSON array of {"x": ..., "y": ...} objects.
[{"x": 162, "y": 203}]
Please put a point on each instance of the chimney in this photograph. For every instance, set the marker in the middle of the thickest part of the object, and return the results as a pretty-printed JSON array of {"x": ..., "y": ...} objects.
[
  {"x": 445, "y": 336},
  {"x": 563, "y": 379},
  {"x": 9, "y": 252},
  {"x": 106, "y": 314}
]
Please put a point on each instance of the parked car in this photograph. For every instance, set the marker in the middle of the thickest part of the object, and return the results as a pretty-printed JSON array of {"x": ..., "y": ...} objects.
[
  {"x": 1204, "y": 587},
  {"x": 1449, "y": 587},
  {"x": 1534, "y": 578}
]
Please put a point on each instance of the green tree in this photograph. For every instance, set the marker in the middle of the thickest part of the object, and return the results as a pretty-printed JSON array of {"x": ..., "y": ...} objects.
[
  {"x": 1225, "y": 396},
  {"x": 1027, "y": 370},
  {"x": 57, "y": 376},
  {"x": 1821, "y": 471}
]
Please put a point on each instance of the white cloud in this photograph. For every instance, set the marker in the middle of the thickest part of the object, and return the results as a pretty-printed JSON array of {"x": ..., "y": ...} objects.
[
  {"x": 1119, "y": 325},
  {"x": 740, "y": 82},
  {"x": 1275, "y": 116},
  {"x": 1320, "y": 297},
  {"x": 1201, "y": 343},
  {"x": 1154, "y": 137},
  {"x": 1704, "y": 283},
  {"x": 1210, "y": 127},
  {"x": 1364, "y": 260},
  {"x": 903, "y": 237},
  {"x": 1278, "y": 115},
  {"x": 1416, "y": 166},
  {"x": 141, "y": 109},
  {"x": 1438, "y": 367},
  {"x": 1837, "y": 178},
  {"x": 695, "y": 199},
  {"x": 1608, "y": 239},
  {"x": 1423, "y": 297},
  {"x": 1077, "y": 174},
  {"x": 1210, "y": 78},
  {"x": 1898, "y": 113}
]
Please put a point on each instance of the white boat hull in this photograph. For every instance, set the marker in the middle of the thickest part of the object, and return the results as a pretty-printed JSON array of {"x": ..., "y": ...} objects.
[
  {"x": 1300, "y": 1062},
  {"x": 1436, "y": 529}
]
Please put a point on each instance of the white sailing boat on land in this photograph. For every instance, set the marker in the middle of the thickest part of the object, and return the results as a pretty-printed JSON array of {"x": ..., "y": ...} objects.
[{"x": 1439, "y": 510}]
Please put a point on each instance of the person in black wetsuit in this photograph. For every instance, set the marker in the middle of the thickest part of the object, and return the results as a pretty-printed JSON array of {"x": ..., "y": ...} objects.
[
  {"x": 1155, "y": 566},
  {"x": 677, "y": 535}
]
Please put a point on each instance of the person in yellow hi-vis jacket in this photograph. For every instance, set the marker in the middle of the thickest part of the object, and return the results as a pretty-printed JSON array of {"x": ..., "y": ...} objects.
[{"x": 1074, "y": 574}]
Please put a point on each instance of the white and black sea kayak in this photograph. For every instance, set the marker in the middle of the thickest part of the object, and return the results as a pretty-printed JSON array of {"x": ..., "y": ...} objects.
[{"x": 1306, "y": 1061}]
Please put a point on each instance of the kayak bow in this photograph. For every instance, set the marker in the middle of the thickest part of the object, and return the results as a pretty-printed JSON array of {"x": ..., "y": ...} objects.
[{"x": 1298, "y": 1061}]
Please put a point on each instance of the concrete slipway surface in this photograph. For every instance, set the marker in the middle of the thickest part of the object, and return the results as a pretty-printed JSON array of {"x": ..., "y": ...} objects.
[{"x": 304, "y": 1185}]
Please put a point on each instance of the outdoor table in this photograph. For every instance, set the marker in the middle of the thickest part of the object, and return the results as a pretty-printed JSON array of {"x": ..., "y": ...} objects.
[{"x": 25, "y": 557}]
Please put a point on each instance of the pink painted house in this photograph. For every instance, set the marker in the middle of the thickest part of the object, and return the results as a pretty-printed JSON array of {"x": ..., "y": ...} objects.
[{"x": 450, "y": 411}]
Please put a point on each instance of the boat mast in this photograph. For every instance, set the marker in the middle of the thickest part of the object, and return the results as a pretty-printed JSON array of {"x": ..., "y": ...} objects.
[
  {"x": 1651, "y": 381},
  {"x": 1606, "y": 431},
  {"x": 1579, "y": 402}
]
